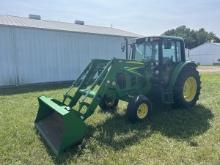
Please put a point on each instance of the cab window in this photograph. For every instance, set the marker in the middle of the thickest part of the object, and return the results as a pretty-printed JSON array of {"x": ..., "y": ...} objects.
[
  {"x": 168, "y": 48},
  {"x": 147, "y": 51},
  {"x": 178, "y": 51},
  {"x": 171, "y": 51}
]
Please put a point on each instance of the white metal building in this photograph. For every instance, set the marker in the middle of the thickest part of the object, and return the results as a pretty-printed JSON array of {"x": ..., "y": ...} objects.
[
  {"x": 36, "y": 51},
  {"x": 206, "y": 54}
]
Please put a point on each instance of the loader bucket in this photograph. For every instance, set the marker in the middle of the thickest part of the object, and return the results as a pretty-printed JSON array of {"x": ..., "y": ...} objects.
[{"x": 59, "y": 127}]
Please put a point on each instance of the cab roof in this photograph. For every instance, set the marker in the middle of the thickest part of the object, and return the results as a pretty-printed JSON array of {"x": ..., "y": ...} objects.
[{"x": 161, "y": 37}]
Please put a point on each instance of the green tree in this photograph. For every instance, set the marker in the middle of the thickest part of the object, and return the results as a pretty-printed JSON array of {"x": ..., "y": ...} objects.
[{"x": 192, "y": 37}]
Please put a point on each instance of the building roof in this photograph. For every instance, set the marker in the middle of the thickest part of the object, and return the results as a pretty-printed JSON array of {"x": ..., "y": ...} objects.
[
  {"x": 62, "y": 26},
  {"x": 206, "y": 43}
]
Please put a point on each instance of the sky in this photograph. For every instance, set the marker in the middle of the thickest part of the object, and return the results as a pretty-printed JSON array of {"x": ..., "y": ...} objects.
[{"x": 145, "y": 17}]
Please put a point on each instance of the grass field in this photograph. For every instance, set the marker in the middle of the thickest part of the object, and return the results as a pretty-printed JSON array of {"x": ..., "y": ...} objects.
[{"x": 169, "y": 137}]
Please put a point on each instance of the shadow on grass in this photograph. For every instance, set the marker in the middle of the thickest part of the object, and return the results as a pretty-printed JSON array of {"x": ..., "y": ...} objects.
[
  {"x": 182, "y": 123},
  {"x": 118, "y": 133}
]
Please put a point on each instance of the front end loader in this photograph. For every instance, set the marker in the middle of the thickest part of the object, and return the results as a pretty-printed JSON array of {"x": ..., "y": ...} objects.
[{"x": 155, "y": 69}]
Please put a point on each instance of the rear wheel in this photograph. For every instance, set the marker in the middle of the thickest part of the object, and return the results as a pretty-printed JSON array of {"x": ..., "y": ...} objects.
[
  {"x": 187, "y": 88},
  {"x": 138, "y": 109}
]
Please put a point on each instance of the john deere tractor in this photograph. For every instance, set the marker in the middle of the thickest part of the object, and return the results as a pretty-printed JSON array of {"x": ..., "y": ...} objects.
[{"x": 155, "y": 70}]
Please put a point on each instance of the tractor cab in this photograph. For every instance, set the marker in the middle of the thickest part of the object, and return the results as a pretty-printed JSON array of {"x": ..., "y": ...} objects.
[{"x": 163, "y": 52}]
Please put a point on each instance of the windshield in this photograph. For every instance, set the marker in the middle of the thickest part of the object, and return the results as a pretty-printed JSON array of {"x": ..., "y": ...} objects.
[{"x": 146, "y": 50}]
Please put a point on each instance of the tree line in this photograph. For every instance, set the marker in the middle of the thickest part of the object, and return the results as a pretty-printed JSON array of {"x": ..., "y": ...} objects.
[{"x": 192, "y": 37}]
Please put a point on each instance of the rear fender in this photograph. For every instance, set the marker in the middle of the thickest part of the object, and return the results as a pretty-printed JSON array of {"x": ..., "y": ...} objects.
[{"x": 177, "y": 71}]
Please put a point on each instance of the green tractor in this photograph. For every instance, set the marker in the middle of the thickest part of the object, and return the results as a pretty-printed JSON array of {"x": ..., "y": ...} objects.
[{"x": 155, "y": 70}]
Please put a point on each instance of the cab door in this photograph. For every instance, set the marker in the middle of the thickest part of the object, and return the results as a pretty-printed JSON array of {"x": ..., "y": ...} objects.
[{"x": 171, "y": 51}]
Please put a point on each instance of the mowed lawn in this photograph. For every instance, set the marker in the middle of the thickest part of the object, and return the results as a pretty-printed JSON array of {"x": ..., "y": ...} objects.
[{"x": 170, "y": 136}]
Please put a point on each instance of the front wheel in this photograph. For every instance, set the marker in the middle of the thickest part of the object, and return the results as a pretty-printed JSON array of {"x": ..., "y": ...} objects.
[
  {"x": 138, "y": 109},
  {"x": 108, "y": 103}
]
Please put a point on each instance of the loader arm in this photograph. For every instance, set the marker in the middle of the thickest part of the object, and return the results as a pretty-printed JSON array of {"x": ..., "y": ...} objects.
[
  {"x": 100, "y": 78},
  {"x": 61, "y": 123}
]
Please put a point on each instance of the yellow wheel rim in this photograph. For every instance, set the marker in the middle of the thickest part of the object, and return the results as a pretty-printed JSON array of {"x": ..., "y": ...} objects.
[
  {"x": 142, "y": 111},
  {"x": 189, "y": 89}
]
